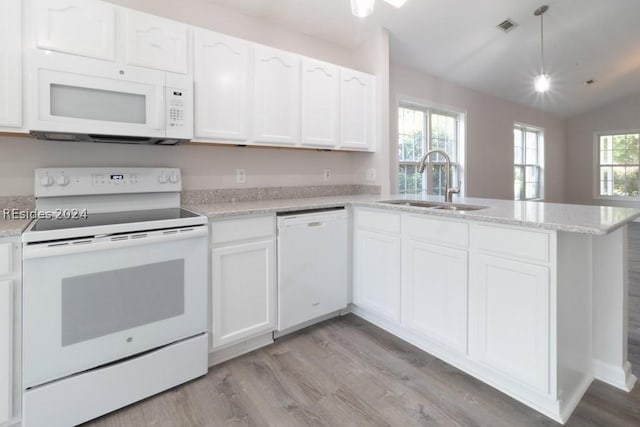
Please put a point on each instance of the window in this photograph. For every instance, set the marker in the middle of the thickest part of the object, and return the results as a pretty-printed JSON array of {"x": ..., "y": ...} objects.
[
  {"x": 528, "y": 162},
  {"x": 421, "y": 129},
  {"x": 618, "y": 164}
]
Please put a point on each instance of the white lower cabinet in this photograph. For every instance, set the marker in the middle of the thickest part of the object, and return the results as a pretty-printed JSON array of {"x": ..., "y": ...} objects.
[
  {"x": 483, "y": 297},
  {"x": 243, "y": 279},
  {"x": 9, "y": 330},
  {"x": 434, "y": 292},
  {"x": 377, "y": 263},
  {"x": 6, "y": 348},
  {"x": 509, "y": 318}
]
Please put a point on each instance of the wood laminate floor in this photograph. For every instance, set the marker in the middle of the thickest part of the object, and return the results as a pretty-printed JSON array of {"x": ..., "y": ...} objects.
[{"x": 347, "y": 372}]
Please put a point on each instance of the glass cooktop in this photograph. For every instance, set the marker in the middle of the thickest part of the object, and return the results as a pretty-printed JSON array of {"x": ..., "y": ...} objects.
[{"x": 69, "y": 220}]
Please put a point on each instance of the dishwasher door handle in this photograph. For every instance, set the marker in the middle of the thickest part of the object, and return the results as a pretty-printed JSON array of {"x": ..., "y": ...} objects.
[{"x": 315, "y": 224}]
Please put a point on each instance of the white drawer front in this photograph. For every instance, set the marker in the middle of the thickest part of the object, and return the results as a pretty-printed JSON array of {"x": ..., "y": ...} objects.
[
  {"x": 511, "y": 242},
  {"x": 6, "y": 259},
  {"x": 231, "y": 230},
  {"x": 436, "y": 230},
  {"x": 378, "y": 220}
]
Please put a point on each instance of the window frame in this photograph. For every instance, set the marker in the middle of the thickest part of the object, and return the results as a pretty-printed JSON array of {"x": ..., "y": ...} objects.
[
  {"x": 596, "y": 165},
  {"x": 523, "y": 127},
  {"x": 460, "y": 123}
]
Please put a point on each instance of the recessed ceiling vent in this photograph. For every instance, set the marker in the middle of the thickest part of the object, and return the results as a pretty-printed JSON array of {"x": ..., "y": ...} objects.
[{"x": 507, "y": 25}]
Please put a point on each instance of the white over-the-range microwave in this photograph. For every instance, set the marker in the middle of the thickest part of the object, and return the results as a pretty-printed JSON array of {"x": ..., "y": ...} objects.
[{"x": 78, "y": 99}]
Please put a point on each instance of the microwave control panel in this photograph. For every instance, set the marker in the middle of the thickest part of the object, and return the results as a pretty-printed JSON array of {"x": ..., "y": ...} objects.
[{"x": 176, "y": 103}]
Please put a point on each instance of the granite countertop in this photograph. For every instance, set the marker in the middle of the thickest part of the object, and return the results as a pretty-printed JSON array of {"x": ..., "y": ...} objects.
[
  {"x": 597, "y": 220},
  {"x": 12, "y": 227}
]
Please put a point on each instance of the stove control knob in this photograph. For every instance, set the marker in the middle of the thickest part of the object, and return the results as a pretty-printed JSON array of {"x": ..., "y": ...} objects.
[
  {"x": 162, "y": 179},
  {"x": 62, "y": 181},
  {"x": 173, "y": 178},
  {"x": 46, "y": 181}
]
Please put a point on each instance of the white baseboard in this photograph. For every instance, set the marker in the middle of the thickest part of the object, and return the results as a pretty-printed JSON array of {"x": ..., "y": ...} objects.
[{"x": 617, "y": 376}]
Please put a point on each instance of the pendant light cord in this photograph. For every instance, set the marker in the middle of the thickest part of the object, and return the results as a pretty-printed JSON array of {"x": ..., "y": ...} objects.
[{"x": 542, "y": 43}]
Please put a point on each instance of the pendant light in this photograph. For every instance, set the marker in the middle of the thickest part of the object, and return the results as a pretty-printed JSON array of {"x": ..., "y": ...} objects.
[
  {"x": 362, "y": 8},
  {"x": 542, "y": 82}
]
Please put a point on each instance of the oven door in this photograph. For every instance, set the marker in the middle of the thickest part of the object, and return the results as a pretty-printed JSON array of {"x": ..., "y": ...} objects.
[
  {"x": 86, "y": 96},
  {"x": 89, "y": 303}
]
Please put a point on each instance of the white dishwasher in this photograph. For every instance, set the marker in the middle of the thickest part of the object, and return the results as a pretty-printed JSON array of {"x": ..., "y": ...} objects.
[{"x": 312, "y": 266}]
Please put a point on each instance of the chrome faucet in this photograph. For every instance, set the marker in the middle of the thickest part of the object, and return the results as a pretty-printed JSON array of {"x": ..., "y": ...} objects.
[{"x": 448, "y": 197}]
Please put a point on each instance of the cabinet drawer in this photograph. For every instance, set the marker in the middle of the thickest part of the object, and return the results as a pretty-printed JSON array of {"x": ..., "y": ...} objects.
[
  {"x": 436, "y": 230},
  {"x": 378, "y": 220},
  {"x": 6, "y": 260},
  {"x": 242, "y": 229},
  {"x": 531, "y": 245}
]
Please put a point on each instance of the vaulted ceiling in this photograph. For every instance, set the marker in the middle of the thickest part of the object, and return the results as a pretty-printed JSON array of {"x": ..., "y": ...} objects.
[{"x": 457, "y": 40}]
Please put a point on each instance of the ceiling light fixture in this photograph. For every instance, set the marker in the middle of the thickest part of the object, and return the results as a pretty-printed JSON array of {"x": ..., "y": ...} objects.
[
  {"x": 542, "y": 82},
  {"x": 396, "y": 3},
  {"x": 362, "y": 8}
]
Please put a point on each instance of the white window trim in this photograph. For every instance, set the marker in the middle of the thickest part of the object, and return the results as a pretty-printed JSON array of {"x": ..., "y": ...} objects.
[
  {"x": 596, "y": 166},
  {"x": 462, "y": 135},
  {"x": 541, "y": 165}
]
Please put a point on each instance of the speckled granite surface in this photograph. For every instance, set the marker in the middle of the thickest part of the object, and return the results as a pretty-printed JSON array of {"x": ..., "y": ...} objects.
[
  {"x": 551, "y": 216},
  {"x": 13, "y": 227},
  {"x": 231, "y": 195}
]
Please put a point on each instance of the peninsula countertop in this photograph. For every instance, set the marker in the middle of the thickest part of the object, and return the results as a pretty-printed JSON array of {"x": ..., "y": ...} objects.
[{"x": 588, "y": 219}]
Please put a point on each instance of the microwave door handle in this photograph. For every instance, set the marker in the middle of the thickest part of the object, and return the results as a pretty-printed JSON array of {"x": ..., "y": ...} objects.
[{"x": 161, "y": 108}]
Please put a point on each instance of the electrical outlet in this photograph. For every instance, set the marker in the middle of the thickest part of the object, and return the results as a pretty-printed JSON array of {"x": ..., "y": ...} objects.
[
  {"x": 371, "y": 174},
  {"x": 241, "y": 176},
  {"x": 327, "y": 174}
]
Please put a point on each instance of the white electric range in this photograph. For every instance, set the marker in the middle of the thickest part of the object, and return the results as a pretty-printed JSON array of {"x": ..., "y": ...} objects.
[{"x": 114, "y": 292}]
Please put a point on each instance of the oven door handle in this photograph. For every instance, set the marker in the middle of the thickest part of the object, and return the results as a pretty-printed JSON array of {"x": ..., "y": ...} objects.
[{"x": 111, "y": 242}]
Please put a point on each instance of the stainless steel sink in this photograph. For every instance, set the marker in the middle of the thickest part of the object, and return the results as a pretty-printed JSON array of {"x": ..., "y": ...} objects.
[
  {"x": 416, "y": 203},
  {"x": 455, "y": 207},
  {"x": 459, "y": 207}
]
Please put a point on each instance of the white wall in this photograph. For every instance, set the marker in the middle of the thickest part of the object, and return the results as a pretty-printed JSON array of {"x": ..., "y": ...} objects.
[
  {"x": 213, "y": 166},
  {"x": 203, "y": 167},
  {"x": 619, "y": 115},
  {"x": 489, "y": 134}
]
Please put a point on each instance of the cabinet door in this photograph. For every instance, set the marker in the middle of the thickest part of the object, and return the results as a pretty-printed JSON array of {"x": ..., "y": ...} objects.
[
  {"x": 276, "y": 113},
  {"x": 10, "y": 64},
  {"x": 79, "y": 27},
  {"x": 243, "y": 291},
  {"x": 155, "y": 42},
  {"x": 434, "y": 292},
  {"x": 509, "y": 318},
  {"x": 6, "y": 349},
  {"x": 320, "y": 104},
  {"x": 356, "y": 110},
  {"x": 221, "y": 80},
  {"x": 377, "y": 273}
]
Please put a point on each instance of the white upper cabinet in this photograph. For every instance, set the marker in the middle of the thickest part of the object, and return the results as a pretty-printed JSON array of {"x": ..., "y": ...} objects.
[
  {"x": 276, "y": 112},
  {"x": 221, "y": 77},
  {"x": 320, "y": 104},
  {"x": 356, "y": 110},
  {"x": 10, "y": 64},
  {"x": 79, "y": 27},
  {"x": 155, "y": 42}
]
